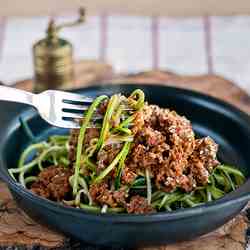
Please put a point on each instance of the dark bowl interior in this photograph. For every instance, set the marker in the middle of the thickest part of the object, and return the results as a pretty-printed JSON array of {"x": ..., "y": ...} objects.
[{"x": 228, "y": 126}]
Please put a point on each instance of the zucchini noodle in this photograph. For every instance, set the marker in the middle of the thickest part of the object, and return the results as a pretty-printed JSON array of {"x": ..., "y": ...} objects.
[
  {"x": 212, "y": 191},
  {"x": 96, "y": 209},
  {"x": 121, "y": 164},
  {"x": 113, "y": 163},
  {"x": 32, "y": 157},
  {"x": 30, "y": 179},
  {"x": 136, "y": 99},
  {"x": 44, "y": 155},
  {"x": 149, "y": 187},
  {"x": 93, "y": 166},
  {"x": 27, "y": 130},
  {"x": 112, "y": 105},
  {"x": 85, "y": 123}
]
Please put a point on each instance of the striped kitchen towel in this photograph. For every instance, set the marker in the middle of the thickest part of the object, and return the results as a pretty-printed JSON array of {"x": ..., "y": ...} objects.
[{"x": 193, "y": 45}]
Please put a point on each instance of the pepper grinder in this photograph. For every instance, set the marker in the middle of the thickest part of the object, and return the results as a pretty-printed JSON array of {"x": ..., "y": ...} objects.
[{"x": 53, "y": 58}]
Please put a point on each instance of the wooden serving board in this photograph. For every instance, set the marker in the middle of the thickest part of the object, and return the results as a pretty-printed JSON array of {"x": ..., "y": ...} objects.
[{"x": 18, "y": 231}]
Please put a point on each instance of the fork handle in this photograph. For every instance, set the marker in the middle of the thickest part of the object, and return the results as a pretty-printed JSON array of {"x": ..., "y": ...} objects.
[{"x": 15, "y": 95}]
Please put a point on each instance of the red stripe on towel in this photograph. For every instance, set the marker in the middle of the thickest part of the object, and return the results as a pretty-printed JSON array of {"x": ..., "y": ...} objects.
[
  {"x": 208, "y": 43},
  {"x": 155, "y": 42},
  {"x": 3, "y": 22},
  {"x": 103, "y": 36}
]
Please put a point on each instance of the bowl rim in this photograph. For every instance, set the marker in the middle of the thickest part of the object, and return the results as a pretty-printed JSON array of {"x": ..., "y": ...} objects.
[{"x": 235, "y": 197}]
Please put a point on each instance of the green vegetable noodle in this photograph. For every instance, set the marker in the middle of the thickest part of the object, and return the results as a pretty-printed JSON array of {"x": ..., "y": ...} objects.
[{"x": 138, "y": 158}]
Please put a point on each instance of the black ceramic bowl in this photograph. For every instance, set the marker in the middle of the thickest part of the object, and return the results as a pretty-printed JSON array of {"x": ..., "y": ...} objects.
[{"x": 228, "y": 126}]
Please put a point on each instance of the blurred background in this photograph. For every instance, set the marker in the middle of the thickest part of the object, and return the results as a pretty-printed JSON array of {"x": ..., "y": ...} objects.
[{"x": 186, "y": 37}]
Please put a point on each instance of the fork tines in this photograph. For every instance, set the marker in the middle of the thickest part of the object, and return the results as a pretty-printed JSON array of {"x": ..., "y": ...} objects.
[
  {"x": 76, "y": 98},
  {"x": 74, "y": 106}
]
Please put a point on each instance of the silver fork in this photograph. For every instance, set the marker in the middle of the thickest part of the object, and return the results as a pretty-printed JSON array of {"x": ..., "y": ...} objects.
[{"x": 59, "y": 108}]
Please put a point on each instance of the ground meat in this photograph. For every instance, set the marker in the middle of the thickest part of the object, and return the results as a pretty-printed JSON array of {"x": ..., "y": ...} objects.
[
  {"x": 106, "y": 155},
  {"x": 171, "y": 170},
  {"x": 150, "y": 115},
  {"x": 203, "y": 160},
  {"x": 73, "y": 144},
  {"x": 128, "y": 175},
  {"x": 39, "y": 189},
  {"x": 165, "y": 144},
  {"x": 148, "y": 151},
  {"x": 52, "y": 183},
  {"x": 90, "y": 134},
  {"x": 120, "y": 196},
  {"x": 103, "y": 106},
  {"x": 187, "y": 183},
  {"x": 101, "y": 194},
  {"x": 199, "y": 172},
  {"x": 206, "y": 150},
  {"x": 177, "y": 127},
  {"x": 139, "y": 205},
  {"x": 138, "y": 122},
  {"x": 150, "y": 137}
]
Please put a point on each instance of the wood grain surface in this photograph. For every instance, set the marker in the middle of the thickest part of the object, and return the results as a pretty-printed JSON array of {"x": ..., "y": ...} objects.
[{"x": 18, "y": 231}]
